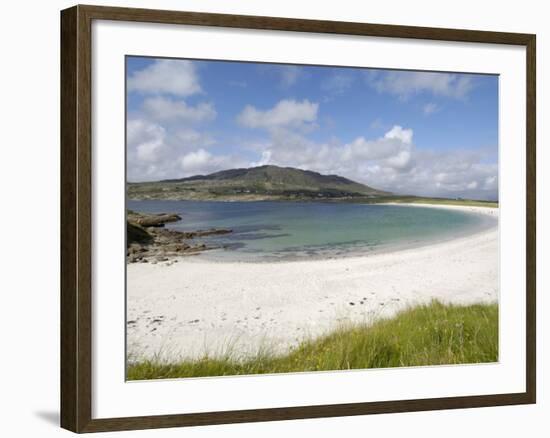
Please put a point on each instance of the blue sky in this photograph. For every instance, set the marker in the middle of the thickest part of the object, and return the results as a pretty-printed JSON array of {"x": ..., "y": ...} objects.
[{"x": 411, "y": 132}]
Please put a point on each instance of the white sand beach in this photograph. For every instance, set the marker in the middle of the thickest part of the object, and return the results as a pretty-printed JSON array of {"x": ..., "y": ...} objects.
[{"x": 193, "y": 307}]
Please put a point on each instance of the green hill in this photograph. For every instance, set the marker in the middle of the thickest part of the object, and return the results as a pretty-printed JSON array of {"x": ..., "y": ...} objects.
[{"x": 255, "y": 183}]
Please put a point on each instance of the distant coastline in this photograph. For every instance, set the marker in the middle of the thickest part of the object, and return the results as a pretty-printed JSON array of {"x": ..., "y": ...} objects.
[
  {"x": 254, "y": 184},
  {"x": 388, "y": 199},
  {"x": 273, "y": 183}
]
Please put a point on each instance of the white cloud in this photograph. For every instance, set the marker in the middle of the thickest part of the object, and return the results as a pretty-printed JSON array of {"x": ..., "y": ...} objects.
[
  {"x": 337, "y": 83},
  {"x": 379, "y": 149},
  {"x": 430, "y": 108},
  {"x": 188, "y": 138},
  {"x": 286, "y": 113},
  {"x": 399, "y": 161},
  {"x": 195, "y": 160},
  {"x": 165, "y": 139},
  {"x": 407, "y": 83},
  {"x": 282, "y": 75},
  {"x": 155, "y": 152},
  {"x": 137, "y": 129},
  {"x": 145, "y": 147},
  {"x": 391, "y": 162},
  {"x": 203, "y": 162},
  {"x": 397, "y": 132},
  {"x": 165, "y": 128},
  {"x": 264, "y": 159},
  {"x": 457, "y": 173},
  {"x": 289, "y": 75},
  {"x": 293, "y": 149},
  {"x": 166, "y": 109},
  {"x": 148, "y": 150},
  {"x": 178, "y": 77},
  {"x": 147, "y": 139},
  {"x": 490, "y": 183}
]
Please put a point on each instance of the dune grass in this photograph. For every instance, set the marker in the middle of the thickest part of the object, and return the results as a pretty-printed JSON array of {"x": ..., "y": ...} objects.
[{"x": 431, "y": 334}]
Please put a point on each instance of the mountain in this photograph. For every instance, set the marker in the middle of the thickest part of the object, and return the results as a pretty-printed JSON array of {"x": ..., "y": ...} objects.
[{"x": 255, "y": 183}]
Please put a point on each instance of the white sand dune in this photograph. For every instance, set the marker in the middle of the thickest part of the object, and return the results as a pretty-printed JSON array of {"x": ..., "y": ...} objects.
[{"x": 193, "y": 307}]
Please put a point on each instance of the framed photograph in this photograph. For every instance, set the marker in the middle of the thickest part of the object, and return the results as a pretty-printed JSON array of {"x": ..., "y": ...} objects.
[{"x": 271, "y": 218}]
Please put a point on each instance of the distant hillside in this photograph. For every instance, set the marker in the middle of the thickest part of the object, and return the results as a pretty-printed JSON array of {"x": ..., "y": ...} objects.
[{"x": 255, "y": 183}]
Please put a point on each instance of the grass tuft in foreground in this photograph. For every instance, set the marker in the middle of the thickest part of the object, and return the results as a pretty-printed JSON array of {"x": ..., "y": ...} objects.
[{"x": 432, "y": 334}]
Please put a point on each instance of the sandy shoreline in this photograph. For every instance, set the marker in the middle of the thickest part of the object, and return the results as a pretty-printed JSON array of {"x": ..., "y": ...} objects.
[{"x": 192, "y": 307}]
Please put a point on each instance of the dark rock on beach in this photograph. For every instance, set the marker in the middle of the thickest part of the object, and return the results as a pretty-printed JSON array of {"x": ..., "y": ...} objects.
[
  {"x": 136, "y": 234},
  {"x": 148, "y": 239},
  {"x": 210, "y": 232},
  {"x": 152, "y": 220}
]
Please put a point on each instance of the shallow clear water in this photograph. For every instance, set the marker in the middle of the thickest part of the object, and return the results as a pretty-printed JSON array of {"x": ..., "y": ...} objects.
[{"x": 266, "y": 230}]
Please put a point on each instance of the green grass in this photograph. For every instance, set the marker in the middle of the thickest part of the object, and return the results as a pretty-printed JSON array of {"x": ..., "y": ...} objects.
[{"x": 432, "y": 334}]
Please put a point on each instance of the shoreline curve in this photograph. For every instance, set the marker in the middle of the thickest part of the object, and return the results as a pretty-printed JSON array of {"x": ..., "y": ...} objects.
[{"x": 196, "y": 307}]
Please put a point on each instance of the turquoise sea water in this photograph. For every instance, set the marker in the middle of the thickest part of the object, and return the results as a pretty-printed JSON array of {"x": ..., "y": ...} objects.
[{"x": 266, "y": 230}]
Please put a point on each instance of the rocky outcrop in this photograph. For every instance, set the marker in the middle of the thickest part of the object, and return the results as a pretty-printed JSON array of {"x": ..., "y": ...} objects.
[
  {"x": 210, "y": 232},
  {"x": 152, "y": 220},
  {"x": 136, "y": 234},
  {"x": 149, "y": 242}
]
